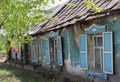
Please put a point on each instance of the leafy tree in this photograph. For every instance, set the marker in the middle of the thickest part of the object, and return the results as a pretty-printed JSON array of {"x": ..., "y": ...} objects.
[{"x": 17, "y": 17}]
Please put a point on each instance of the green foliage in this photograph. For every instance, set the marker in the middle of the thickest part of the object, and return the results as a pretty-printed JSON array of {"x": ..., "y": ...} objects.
[
  {"x": 70, "y": 4},
  {"x": 2, "y": 51},
  {"x": 17, "y": 17},
  {"x": 91, "y": 5}
]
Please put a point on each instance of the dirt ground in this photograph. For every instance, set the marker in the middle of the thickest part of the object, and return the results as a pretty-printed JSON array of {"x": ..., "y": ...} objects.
[
  {"x": 14, "y": 74},
  {"x": 11, "y": 73}
]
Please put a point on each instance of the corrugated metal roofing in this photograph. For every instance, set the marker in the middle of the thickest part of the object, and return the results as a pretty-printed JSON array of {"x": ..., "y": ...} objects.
[{"x": 69, "y": 15}]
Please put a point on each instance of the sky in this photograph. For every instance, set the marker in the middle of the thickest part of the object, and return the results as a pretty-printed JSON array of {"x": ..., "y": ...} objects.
[{"x": 57, "y": 2}]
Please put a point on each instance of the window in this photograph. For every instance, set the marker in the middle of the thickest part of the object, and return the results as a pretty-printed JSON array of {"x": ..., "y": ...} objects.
[
  {"x": 98, "y": 52},
  {"x": 102, "y": 47},
  {"x": 53, "y": 50},
  {"x": 34, "y": 51},
  {"x": 35, "y": 55},
  {"x": 103, "y": 52}
]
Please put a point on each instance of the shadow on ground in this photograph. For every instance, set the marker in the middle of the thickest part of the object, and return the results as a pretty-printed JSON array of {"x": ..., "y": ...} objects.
[
  {"x": 10, "y": 73},
  {"x": 13, "y": 74}
]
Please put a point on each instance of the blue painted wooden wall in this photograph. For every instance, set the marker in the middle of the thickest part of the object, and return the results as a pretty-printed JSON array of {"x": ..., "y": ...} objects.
[
  {"x": 65, "y": 37},
  {"x": 74, "y": 49},
  {"x": 70, "y": 46}
]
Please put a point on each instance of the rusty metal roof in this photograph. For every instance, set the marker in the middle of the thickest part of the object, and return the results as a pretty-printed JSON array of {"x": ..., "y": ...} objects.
[{"x": 79, "y": 12}]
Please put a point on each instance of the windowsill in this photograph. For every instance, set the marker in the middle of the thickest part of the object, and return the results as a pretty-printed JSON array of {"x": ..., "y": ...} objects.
[{"x": 96, "y": 74}]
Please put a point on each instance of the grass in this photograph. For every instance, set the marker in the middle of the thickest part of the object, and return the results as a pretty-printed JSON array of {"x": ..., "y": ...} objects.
[{"x": 13, "y": 74}]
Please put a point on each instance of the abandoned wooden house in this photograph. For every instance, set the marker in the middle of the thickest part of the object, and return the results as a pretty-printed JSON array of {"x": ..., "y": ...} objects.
[{"x": 81, "y": 42}]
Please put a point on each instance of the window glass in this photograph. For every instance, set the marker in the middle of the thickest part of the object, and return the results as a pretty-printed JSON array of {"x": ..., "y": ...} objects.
[
  {"x": 98, "y": 52},
  {"x": 35, "y": 56},
  {"x": 97, "y": 59},
  {"x": 99, "y": 41},
  {"x": 53, "y": 50},
  {"x": 95, "y": 41}
]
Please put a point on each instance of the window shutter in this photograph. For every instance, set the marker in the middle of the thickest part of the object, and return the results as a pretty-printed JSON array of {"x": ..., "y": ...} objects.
[
  {"x": 59, "y": 51},
  {"x": 31, "y": 48},
  {"x": 83, "y": 51},
  {"x": 47, "y": 52},
  {"x": 107, "y": 53},
  {"x": 35, "y": 55}
]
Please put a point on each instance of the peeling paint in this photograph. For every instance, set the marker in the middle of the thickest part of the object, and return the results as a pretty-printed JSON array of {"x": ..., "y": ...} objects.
[
  {"x": 70, "y": 44},
  {"x": 65, "y": 43},
  {"x": 74, "y": 49}
]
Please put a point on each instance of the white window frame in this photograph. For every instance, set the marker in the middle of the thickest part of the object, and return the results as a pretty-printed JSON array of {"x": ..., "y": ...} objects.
[{"x": 101, "y": 57}]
